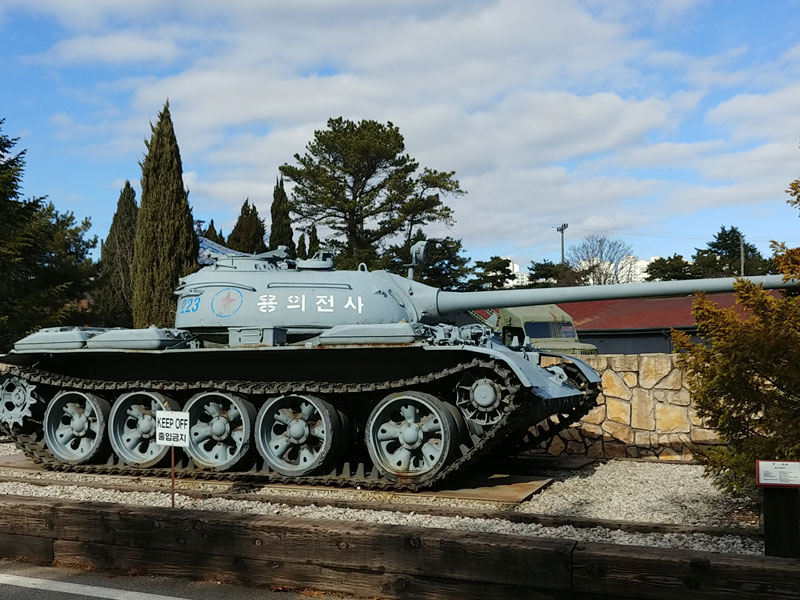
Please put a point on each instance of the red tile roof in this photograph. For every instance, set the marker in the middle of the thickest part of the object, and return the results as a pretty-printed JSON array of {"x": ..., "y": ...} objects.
[{"x": 637, "y": 313}]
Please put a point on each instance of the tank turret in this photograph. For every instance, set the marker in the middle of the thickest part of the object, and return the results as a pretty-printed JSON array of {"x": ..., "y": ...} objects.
[
  {"x": 308, "y": 297},
  {"x": 292, "y": 371}
]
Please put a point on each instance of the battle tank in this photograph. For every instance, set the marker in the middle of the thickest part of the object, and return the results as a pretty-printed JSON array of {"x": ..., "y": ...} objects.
[{"x": 294, "y": 372}]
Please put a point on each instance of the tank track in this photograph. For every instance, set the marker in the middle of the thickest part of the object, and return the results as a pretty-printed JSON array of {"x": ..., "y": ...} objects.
[{"x": 521, "y": 414}]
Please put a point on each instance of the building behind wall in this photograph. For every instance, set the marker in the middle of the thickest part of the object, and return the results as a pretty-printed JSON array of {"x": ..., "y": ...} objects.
[{"x": 636, "y": 325}]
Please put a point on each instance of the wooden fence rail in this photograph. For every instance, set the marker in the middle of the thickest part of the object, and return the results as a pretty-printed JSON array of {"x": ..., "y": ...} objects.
[{"x": 373, "y": 560}]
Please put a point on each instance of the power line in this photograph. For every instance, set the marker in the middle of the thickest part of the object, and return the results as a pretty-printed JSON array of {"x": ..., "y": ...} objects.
[
  {"x": 456, "y": 228},
  {"x": 670, "y": 237}
]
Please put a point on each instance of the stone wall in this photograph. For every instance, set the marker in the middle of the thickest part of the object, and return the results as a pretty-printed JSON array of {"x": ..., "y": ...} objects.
[{"x": 645, "y": 411}]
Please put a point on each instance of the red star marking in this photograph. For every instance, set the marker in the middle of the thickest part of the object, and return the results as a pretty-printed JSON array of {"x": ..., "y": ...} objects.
[{"x": 227, "y": 301}]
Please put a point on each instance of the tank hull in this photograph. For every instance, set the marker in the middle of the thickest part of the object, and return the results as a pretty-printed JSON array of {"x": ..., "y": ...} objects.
[{"x": 353, "y": 380}]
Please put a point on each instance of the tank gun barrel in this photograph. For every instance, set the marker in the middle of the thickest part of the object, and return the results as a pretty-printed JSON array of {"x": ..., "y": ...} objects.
[{"x": 450, "y": 302}]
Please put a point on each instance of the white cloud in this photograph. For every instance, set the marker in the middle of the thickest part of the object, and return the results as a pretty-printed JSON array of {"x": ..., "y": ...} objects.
[
  {"x": 771, "y": 115},
  {"x": 775, "y": 162},
  {"x": 547, "y": 111},
  {"x": 663, "y": 155},
  {"x": 115, "y": 48}
]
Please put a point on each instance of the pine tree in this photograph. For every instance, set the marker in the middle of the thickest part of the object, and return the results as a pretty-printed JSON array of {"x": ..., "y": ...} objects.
[
  {"x": 248, "y": 232},
  {"x": 673, "y": 268},
  {"x": 114, "y": 300},
  {"x": 166, "y": 245},
  {"x": 281, "y": 228},
  {"x": 44, "y": 257},
  {"x": 301, "y": 247},
  {"x": 313, "y": 241},
  {"x": 492, "y": 274},
  {"x": 14, "y": 241},
  {"x": 358, "y": 180},
  {"x": 447, "y": 266},
  {"x": 722, "y": 256}
]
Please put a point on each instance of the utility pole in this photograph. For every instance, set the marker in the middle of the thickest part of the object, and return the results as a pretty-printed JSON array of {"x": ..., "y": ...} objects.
[
  {"x": 561, "y": 231},
  {"x": 741, "y": 255}
]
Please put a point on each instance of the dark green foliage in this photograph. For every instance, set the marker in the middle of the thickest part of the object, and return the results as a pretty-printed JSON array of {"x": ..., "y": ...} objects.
[
  {"x": 447, "y": 267},
  {"x": 17, "y": 217},
  {"x": 744, "y": 379},
  {"x": 313, "y": 242},
  {"x": 549, "y": 274},
  {"x": 356, "y": 179},
  {"x": 212, "y": 234},
  {"x": 745, "y": 383},
  {"x": 672, "y": 269},
  {"x": 114, "y": 297},
  {"x": 491, "y": 274},
  {"x": 721, "y": 256},
  {"x": 166, "y": 245},
  {"x": 301, "y": 247},
  {"x": 11, "y": 168},
  {"x": 424, "y": 205},
  {"x": 544, "y": 273},
  {"x": 248, "y": 232},
  {"x": 43, "y": 257},
  {"x": 280, "y": 233}
]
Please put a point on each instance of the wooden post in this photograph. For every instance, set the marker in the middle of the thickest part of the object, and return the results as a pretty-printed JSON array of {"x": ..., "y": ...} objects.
[
  {"x": 172, "y": 451},
  {"x": 780, "y": 482},
  {"x": 782, "y": 522}
]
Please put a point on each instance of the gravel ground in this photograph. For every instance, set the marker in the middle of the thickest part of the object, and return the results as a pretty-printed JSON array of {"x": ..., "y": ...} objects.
[
  {"x": 617, "y": 490},
  {"x": 642, "y": 491},
  {"x": 7, "y": 449}
]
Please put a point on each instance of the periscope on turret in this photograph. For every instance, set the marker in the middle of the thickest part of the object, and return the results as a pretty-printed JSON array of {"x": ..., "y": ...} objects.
[{"x": 292, "y": 371}]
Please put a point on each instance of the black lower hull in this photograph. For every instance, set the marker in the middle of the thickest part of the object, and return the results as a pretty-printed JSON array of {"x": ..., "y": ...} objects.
[{"x": 340, "y": 365}]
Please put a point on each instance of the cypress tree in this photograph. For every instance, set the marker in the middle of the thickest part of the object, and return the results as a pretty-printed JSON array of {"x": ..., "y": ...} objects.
[
  {"x": 211, "y": 234},
  {"x": 166, "y": 245},
  {"x": 248, "y": 232},
  {"x": 301, "y": 247},
  {"x": 281, "y": 230},
  {"x": 313, "y": 242},
  {"x": 114, "y": 301}
]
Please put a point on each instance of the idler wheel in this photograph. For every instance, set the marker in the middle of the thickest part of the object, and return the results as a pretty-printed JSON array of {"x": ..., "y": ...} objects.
[
  {"x": 411, "y": 435},
  {"x": 75, "y": 427},
  {"x": 220, "y": 429},
  {"x": 132, "y": 427},
  {"x": 299, "y": 434}
]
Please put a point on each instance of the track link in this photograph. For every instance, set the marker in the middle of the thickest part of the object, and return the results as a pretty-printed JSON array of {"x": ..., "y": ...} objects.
[{"x": 524, "y": 410}]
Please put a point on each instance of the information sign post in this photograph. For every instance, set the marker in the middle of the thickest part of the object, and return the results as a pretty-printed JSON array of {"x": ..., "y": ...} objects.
[
  {"x": 780, "y": 480},
  {"x": 172, "y": 429}
]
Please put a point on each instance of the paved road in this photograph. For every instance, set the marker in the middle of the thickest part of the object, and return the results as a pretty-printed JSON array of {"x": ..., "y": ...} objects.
[{"x": 19, "y": 581}]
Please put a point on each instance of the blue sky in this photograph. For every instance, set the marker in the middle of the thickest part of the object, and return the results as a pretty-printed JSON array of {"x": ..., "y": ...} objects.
[{"x": 652, "y": 122}]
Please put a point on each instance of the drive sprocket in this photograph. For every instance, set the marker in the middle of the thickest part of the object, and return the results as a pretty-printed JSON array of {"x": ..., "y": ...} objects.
[{"x": 18, "y": 402}]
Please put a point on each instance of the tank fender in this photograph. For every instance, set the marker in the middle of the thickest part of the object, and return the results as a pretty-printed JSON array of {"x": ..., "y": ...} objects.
[
  {"x": 584, "y": 367},
  {"x": 530, "y": 375}
]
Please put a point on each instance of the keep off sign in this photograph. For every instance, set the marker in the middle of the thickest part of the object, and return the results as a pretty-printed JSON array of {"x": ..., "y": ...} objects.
[{"x": 172, "y": 428}]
